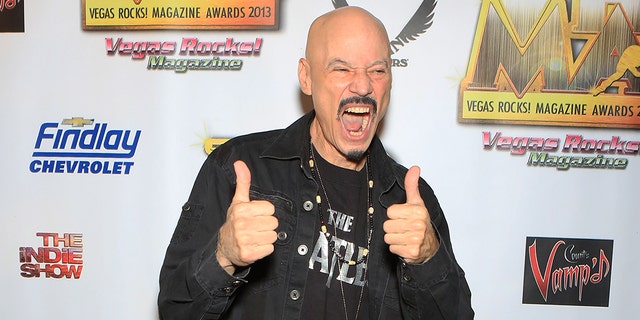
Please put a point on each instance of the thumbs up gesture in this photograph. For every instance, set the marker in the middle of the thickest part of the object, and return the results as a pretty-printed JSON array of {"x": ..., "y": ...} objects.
[
  {"x": 249, "y": 232},
  {"x": 408, "y": 231}
]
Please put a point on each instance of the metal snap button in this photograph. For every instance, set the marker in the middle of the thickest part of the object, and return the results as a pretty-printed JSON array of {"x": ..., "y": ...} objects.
[
  {"x": 294, "y": 294},
  {"x": 302, "y": 249},
  {"x": 307, "y": 205},
  {"x": 282, "y": 235}
]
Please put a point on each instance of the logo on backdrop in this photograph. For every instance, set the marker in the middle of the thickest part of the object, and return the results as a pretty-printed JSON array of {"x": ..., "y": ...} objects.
[
  {"x": 563, "y": 271},
  {"x": 579, "y": 151},
  {"x": 11, "y": 16},
  {"x": 421, "y": 20},
  {"x": 194, "y": 54},
  {"x": 83, "y": 146},
  {"x": 179, "y": 14},
  {"x": 574, "y": 63},
  {"x": 208, "y": 143},
  {"x": 60, "y": 256}
]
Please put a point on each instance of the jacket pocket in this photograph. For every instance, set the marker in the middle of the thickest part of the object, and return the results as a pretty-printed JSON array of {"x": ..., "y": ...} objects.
[
  {"x": 272, "y": 269},
  {"x": 189, "y": 219}
]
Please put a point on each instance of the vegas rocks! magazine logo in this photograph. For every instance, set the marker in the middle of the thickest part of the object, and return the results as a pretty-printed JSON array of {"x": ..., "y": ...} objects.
[{"x": 554, "y": 62}]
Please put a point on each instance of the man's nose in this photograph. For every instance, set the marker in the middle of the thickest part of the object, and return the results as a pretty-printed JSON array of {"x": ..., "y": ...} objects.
[{"x": 361, "y": 84}]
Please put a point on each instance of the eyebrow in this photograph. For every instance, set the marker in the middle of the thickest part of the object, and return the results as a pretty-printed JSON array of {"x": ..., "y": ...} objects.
[{"x": 338, "y": 61}]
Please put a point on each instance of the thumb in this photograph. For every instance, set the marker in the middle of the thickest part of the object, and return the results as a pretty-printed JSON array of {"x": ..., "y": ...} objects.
[
  {"x": 411, "y": 186},
  {"x": 243, "y": 181}
]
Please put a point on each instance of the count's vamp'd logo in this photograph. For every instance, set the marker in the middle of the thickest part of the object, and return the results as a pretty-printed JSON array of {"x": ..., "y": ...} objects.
[
  {"x": 83, "y": 146},
  {"x": 11, "y": 16},
  {"x": 563, "y": 271}
]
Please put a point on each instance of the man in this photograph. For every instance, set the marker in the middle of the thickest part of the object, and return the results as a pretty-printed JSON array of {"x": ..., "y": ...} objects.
[{"x": 316, "y": 221}]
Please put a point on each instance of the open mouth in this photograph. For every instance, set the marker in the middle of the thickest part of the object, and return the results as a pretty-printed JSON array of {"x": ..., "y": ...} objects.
[{"x": 356, "y": 120}]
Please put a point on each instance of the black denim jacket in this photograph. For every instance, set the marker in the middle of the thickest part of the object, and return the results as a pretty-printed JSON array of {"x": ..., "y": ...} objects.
[{"x": 194, "y": 286}]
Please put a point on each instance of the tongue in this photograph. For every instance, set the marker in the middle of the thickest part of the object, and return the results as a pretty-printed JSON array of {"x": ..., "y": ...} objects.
[{"x": 352, "y": 122}]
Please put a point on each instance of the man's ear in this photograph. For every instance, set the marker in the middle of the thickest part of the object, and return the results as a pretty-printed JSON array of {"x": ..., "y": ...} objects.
[{"x": 304, "y": 76}]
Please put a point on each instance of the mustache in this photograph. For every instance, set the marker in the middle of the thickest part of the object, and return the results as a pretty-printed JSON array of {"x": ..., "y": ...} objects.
[{"x": 358, "y": 100}]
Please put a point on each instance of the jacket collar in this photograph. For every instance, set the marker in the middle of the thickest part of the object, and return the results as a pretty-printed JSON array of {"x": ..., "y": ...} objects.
[{"x": 294, "y": 143}]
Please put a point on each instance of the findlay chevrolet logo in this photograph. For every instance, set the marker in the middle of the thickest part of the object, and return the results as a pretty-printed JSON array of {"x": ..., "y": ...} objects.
[
  {"x": 576, "y": 65},
  {"x": 421, "y": 20},
  {"x": 64, "y": 148}
]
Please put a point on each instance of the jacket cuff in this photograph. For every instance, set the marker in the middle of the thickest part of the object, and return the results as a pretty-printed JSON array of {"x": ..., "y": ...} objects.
[
  {"x": 213, "y": 278},
  {"x": 434, "y": 270}
]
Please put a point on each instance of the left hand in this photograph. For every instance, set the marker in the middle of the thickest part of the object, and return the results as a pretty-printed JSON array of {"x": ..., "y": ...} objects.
[{"x": 408, "y": 231}]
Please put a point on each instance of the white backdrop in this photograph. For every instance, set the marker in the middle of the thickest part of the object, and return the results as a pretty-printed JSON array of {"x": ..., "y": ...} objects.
[{"x": 492, "y": 200}]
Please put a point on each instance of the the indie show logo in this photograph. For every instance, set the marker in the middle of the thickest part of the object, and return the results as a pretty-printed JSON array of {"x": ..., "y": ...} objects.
[
  {"x": 11, "y": 16},
  {"x": 567, "y": 271},
  {"x": 79, "y": 145},
  {"x": 60, "y": 256},
  {"x": 420, "y": 21},
  {"x": 554, "y": 62}
]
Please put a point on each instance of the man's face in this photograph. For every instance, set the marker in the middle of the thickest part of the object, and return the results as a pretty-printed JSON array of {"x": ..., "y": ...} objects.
[{"x": 349, "y": 74}]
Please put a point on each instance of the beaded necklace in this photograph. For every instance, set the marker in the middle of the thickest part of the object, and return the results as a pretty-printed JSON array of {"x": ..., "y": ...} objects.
[{"x": 323, "y": 227}]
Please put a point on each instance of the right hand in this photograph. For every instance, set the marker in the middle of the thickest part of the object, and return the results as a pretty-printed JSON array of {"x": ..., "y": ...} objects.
[{"x": 249, "y": 233}]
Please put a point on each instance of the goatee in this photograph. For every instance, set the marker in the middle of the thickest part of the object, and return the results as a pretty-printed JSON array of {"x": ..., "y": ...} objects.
[{"x": 355, "y": 155}]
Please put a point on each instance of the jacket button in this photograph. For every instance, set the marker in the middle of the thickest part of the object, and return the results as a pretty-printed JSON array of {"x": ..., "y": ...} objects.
[
  {"x": 302, "y": 249},
  {"x": 282, "y": 235},
  {"x": 307, "y": 205},
  {"x": 294, "y": 295},
  {"x": 186, "y": 207}
]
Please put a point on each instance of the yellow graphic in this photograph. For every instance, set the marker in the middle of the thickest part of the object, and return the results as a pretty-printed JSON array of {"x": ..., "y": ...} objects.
[
  {"x": 77, "y": 121},
  {"x": 629, "y": 61},
  {"x": 179, "y": 14},
  {"x": 209, "y": 143},
  {"x": 562, "y": 72}
]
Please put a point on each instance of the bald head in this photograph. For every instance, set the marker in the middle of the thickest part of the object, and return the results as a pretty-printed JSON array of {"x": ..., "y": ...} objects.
[
  {"x": 344, "y": 23},
  {"x": 347, "y": 72}
]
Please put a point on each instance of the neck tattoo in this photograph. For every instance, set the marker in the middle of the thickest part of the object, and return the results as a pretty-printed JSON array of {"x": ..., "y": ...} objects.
[{"x": 323, "y": 227}]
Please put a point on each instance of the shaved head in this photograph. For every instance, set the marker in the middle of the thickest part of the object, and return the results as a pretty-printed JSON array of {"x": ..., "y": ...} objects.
[{"x": 343, "y": 20}]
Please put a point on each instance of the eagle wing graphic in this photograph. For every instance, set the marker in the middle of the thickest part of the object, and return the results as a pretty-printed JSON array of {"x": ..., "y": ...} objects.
[
  {"x": 419, "y": 23},
  {"x": 339, "y": 3}
]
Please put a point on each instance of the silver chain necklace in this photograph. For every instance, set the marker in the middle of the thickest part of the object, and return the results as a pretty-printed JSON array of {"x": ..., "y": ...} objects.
[{"x": 323, "y": 228}]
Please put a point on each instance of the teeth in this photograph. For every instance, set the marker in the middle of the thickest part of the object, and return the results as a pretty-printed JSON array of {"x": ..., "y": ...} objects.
[
  {"x": 358, "y": 110},
  {"x": 365, "y": 120}
]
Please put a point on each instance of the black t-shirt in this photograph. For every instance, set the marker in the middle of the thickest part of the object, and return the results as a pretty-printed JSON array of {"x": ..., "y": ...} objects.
[{"x": 331, "y": 284}]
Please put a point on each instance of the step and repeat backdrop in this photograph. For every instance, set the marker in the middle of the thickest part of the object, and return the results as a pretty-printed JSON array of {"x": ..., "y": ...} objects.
[{"x": 523, "y": 115}]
